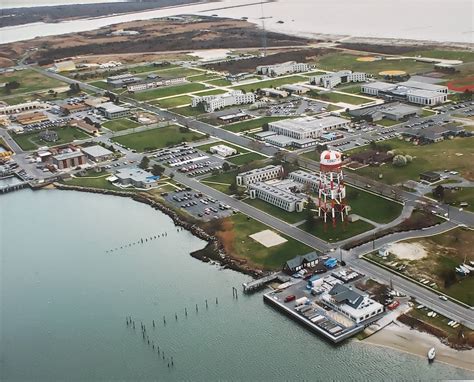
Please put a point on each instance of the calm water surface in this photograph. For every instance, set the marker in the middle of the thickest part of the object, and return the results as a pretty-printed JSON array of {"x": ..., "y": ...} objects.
[
  {"x": 434, "y": 20},
  {"x": 64, "y": 302}
]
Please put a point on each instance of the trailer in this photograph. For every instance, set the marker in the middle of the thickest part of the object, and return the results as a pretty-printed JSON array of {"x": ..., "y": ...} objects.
[{"x": 301, "y": 301}]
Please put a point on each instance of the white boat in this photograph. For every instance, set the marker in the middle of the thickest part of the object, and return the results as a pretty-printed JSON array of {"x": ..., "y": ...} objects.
[{"x": 431, "y": 354}]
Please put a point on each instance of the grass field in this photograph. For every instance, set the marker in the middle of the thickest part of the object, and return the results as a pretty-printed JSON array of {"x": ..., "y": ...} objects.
[
  {"x": 148, "y": 68},
  {"x": 219, "y": 82},
  {"x": 373, "y": 207},
  {"x": 251, "y": 124},
  {"x": 157, "y": 138},
  {"x": 221, "y": 181},
  {"x": 100, "y": 84},
  {"x": 210, "y": 92},
  {"x": 203, "y": 77},
  {"x": 463, "y": 55},
  {"x": 271, "y": 83},
  {"x": 446, "y": 251},
  {"x": 236, "y": 241},
  {"x": 29, "y": 81},
  {"x": 168, "y": 91},
  {"x": 338, "y": 61},
  {"x": 120, "y": 124},
  {"x": 387, "y": 122},
  {"x": 455, "y": 197},
  {"x": 338, "y": 97},
  {"x": 32, "y": 141},
  {"x": 177, "y": 71},
  {"x": 289, "y": 217},
  {"x": 173, "y": 101},
  {"x": 245, "y": 158},
  {"x": 353, "y": 89},
  {"x": 342, "y": 231},
  {"x": 187, "y": 111},
  {"x": 436, "y": 156}
]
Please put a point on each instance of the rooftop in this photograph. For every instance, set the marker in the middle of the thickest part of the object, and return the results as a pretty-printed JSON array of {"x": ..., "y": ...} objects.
[{"x": 96, "y": 151}]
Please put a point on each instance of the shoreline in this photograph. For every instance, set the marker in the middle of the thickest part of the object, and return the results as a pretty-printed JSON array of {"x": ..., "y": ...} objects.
[
  {"x": 402, "y": 338},
  {"x": 395, "y": 336}
]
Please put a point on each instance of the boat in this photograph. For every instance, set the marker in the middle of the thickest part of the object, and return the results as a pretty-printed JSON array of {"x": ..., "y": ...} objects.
[{"x": 431, "y": 354}]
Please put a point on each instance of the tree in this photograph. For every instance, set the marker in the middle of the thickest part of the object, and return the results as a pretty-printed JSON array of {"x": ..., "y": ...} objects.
[
  {"x": 184, "y": 129},
  {"x": 233, "y": 188},
  {"x": 144, "y": 163},
  {"x": 438, "y": 192},
  {"x": 225, "y": 166},
  {"x": 74, "y": 88},
  {"x": 399, "y": 161},
  {"x": 265, "y": 127},
  {"x": 157, "y": 170}
]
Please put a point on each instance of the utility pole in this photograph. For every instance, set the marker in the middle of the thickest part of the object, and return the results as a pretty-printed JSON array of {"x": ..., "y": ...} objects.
[{"x": 264, "y": 32}]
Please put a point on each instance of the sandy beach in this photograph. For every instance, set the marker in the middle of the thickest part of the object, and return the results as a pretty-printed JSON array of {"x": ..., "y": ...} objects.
[{"x": 400, "y": 337}]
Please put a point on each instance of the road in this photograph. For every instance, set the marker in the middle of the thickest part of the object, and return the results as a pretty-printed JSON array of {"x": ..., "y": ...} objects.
[{"x": 425, "y": 296}]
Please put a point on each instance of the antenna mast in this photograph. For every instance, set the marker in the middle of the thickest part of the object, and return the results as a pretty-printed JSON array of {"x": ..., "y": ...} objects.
[{"x": 264, "y": 35}]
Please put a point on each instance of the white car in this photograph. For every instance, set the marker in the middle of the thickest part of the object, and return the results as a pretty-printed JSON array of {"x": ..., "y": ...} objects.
[{"x": 444, "y": 298}]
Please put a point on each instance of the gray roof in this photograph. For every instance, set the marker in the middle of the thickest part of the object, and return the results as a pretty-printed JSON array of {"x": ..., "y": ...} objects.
[
  {"x": 96, "y": 151},
  {"x": 422, "y": 86},
  {"x": 298, "y": 260},
  {"x": 342, "y": 294}
]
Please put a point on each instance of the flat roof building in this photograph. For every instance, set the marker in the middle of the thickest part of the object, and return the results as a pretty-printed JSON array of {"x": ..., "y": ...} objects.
[
  {"x": 97, "y": 153},
  {"x": 216, "y": 102},
  {"x": 259, "y": 175},
  {"x": 223, "y": 150},
  {"x": 283, "y": 68},
  {"x": 22, "y": 107},
  {"x": 307, "y": 128},
  {"x": 136, "y": 177},
  {"x": 69, "y": 158},
  {"x": 330, "y": 80},
  {"x": 395, "y": 111},
  {"x": 409, "y": 91},
  {"x": 113, "y": 111},
  {"x": 281, "y": 198}
]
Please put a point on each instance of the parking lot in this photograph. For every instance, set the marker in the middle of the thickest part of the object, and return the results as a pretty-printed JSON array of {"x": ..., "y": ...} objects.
[
  {"x": 188, "y": 160},
  {"x": 462, "y": 108},
  {"x": 198, "y": 205}
]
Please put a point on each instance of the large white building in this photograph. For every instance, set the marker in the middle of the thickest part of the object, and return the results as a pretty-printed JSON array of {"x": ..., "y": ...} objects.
[
  {"x": 22, "y": 107},
  {"x": 283, "y": 68},
  {"x": 259, "y": 175},
  {"x": 223, "y": 150},
  {"x": 306, "y": 179},
  {"x": 156, "y": 84},
  {"x": 419, "y": 93},
  {"x": 277, "y": 196},
  {"x": 356, "y": 306},
  {"x": 307, "y": 128},
  {"x": 215, "y": 102},
  {"x": 330, "y": 80},
  {"x": 113, "y": 111}
]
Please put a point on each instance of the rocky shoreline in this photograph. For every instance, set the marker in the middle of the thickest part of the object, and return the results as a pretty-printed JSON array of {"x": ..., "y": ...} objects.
[{"x": 213, "y": 251}]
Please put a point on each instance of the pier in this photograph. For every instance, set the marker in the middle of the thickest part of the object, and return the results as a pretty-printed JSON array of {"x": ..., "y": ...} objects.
[{"x": 255, "y": 285}]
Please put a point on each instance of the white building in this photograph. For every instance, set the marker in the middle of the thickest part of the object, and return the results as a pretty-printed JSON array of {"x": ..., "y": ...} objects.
[
  {"x": 283, "y": 68},
  {"x": 136, "y": 177},
  {"x": 113, "y": 111},
  {"x": 259, "y": 175},
  {"x": 22, "y": 107},
  {"x": 307, "y": 128},
  {"x": 97, "y": 153},
  {"x": 215, "y": 102},
  {"x": 223, "y": 150},
  {"x": 415, "y": 92},
  {"x": 354, "y": 305},
  {"x": 278, "y": 197},
  {"x": 156, "y": 84},
  {"x": 305, "y": 178},
  {"x": 331, "y": 80}
]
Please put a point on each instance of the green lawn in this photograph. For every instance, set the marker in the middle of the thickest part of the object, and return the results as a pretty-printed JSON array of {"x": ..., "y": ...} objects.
[
  {"x": 177, "y": 71},
  {"x": 271, "y": 83},
  {"x": 149, "y": 68},
  {"x": 463, "y": 55},
  {"x": 337, "y": 97},
  {"x": 219, "y": 82},
  {"x": 289, "y": 217},
  {"x": 373, "y": 207},
  {"x": 187, "y": 111},
  {"x": 238, "y": 243},
  {"x": 315, "y": 73},
  {"x": 221, "y": 181},
  {"x": 29, "y": 81},
  {"x": 31, "y": 141},
  {"x": 354, "y": 89},
  {"x": 251, "y": 124},
  {"x": 427, "y": 113},
  {"x": 436, "y": 156},
  {"x": 93, "y": 182},
  {"x": 157, "y": 138},
  {"x": 209, "y": 92},
  {"x": 120, "y": 124},
  {"x": 173, "y": 101},
  {"x": 168, "y": 91},
  {"x": 342, "y": 231},
  {"x": 454, "y": 197},
  {"x": 340, "y": 61},
  {"x": 101, "y": 84},
  {"x": 245, "y": 158},
  {"x": 387, "y": 122}
]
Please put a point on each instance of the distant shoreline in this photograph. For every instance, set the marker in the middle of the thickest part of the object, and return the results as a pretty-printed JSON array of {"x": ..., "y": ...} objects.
[{"x": 12, "y": 17}]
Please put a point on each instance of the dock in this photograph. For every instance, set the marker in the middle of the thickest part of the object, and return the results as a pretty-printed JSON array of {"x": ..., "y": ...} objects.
[{"x": 257, "y": 284}]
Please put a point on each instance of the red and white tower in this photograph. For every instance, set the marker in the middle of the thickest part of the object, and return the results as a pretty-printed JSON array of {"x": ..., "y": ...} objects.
[{"x": 332, "y": 191}]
